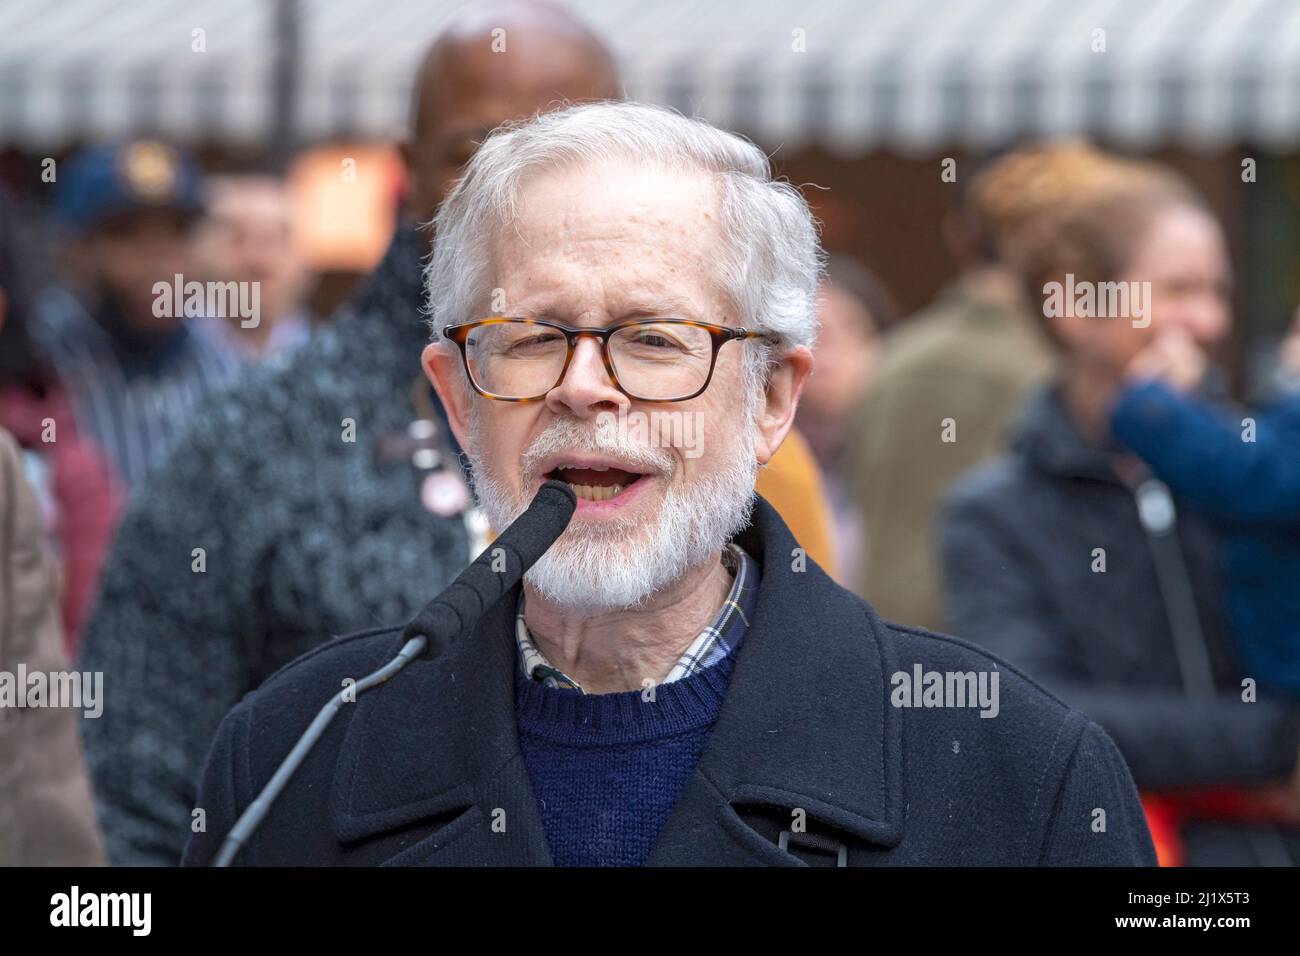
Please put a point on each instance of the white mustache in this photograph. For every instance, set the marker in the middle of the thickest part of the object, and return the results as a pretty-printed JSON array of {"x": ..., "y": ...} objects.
[{"x": 570, "y": 435}]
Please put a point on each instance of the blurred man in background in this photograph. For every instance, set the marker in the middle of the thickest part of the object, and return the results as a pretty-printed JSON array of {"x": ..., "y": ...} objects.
[
  {"x": 247, "y": 236},
  {"x": 322, "y": 491},
  {"x": 1066, "y": 559},
  {"x": 950, "y": 380},
  {"x": 852, "y": 307},
  {"x": 135, "y": 363}
]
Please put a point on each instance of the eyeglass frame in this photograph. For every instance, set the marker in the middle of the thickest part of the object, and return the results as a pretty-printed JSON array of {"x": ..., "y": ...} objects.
[{"x": 719, "y": 336}]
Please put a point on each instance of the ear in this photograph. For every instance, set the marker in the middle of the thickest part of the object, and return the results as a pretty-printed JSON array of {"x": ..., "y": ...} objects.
[
  {"x": 781, "y": 401},
  {"x": 445, "y": 372}
]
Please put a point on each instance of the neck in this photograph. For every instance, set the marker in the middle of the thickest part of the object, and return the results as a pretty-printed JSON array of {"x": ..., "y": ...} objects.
[
  {"x": 995, "y": 285},
  {"x": 620, "y": 650},
  {"x": 256, "y": 337},
  {"x": 1088, "y": 398}
]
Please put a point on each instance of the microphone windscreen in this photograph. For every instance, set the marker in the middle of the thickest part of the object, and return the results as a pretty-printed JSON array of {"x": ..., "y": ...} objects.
[
  {"x": 457, "y": 610},
  {"x": 534, "y": 531}
]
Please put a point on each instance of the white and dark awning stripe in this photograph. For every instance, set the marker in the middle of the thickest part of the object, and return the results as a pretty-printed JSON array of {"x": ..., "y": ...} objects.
[{"x": 912, "y": 77}]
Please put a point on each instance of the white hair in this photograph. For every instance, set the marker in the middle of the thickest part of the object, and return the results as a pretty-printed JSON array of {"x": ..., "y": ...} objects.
[{"x": 773, "y": 260}]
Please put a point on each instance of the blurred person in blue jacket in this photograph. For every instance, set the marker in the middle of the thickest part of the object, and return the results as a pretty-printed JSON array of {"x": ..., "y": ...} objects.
[{"x": 1243, "y": 471}]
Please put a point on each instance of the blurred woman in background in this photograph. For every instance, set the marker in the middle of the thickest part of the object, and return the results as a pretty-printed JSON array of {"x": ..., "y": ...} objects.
[
  {"x": 951, "y": 378},
  {"x": 1066, "y": 558}
]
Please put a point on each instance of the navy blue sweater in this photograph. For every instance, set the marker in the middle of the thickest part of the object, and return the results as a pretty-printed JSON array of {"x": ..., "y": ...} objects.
[{"x": 607, "y": 769}]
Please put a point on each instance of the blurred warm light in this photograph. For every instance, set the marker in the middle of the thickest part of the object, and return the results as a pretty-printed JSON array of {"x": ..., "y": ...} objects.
[{"x": 346, "y": 197}]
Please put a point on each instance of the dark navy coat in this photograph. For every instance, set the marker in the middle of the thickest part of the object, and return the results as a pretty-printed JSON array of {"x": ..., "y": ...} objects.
[{"x": 418, "y": 770}]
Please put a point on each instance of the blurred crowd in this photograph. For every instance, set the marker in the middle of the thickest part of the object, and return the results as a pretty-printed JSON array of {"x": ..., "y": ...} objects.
[{"x": 209, "y": 492}]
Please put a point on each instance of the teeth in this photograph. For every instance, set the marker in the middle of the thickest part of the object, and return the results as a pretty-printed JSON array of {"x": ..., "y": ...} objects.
[{"x": 596, "y": 492}]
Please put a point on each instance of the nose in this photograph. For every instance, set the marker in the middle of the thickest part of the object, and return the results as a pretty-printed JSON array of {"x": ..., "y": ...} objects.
[{"x": 587, "y": 388}]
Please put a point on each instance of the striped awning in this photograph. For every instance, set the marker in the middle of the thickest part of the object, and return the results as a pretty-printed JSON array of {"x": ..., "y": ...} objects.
[{"x": 851, "y": 75}]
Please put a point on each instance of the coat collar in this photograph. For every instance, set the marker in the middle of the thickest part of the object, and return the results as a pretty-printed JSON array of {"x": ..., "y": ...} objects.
[
  {"x": 805, "y": 725},
  {"x": 1048, "y": 436}
]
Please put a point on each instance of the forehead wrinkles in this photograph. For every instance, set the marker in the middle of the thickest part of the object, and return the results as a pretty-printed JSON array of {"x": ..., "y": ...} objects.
[{"x": 655, "y": 227}]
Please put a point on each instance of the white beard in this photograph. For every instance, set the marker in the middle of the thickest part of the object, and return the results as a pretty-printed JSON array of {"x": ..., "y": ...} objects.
[{"x": 615, "y": 564}]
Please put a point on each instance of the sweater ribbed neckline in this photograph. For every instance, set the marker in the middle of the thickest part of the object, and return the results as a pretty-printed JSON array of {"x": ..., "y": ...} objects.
[{"x": 569, "y": 716}]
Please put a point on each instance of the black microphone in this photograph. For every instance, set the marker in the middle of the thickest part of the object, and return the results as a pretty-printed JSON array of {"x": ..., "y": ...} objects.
[
  {"x": 498, "y": 569},
  {"x": 454, "y": 612}
]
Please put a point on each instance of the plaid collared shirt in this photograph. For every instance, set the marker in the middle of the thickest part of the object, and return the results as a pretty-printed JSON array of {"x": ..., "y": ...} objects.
[{"x": 720, "y": 638}]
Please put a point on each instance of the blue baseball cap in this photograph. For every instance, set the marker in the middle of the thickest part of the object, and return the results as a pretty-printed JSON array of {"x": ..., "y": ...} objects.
[{"x": 104, "y": 181}]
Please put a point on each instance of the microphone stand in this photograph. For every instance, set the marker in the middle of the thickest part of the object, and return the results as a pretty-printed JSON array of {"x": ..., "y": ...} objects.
[{"x": 454, "y": 612}]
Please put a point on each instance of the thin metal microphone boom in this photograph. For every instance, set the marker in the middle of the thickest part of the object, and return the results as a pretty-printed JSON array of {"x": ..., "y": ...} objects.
[{"x": 454, "y": 612}]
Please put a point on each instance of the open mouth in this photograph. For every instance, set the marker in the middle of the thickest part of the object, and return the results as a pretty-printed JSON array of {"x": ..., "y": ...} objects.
[{"x": 596, "y": 483}]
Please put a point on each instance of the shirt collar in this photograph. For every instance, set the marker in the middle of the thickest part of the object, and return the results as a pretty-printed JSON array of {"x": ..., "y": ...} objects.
[{"x": 718, "y": 640}]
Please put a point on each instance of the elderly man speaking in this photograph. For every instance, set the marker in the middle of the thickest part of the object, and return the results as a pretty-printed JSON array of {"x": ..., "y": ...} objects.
[{"x": 674, "y": 683}]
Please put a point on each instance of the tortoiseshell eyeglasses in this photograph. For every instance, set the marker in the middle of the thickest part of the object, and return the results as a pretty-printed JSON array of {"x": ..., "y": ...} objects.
[{"x": 651, "y": 360}]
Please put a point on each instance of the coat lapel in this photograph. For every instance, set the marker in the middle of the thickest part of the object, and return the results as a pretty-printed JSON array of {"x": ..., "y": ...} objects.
[
  {"x": 438, "y": 745},
  {"x": 805, "y": 724}
]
